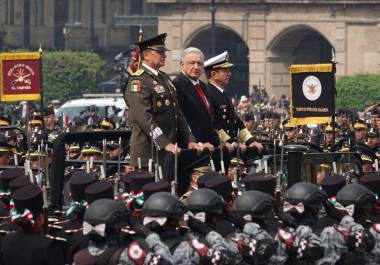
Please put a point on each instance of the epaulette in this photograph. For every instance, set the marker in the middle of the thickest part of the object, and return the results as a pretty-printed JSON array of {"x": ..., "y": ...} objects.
[
  {"x": 61, "y": 239},
  {"x": 138, "y": 72}
]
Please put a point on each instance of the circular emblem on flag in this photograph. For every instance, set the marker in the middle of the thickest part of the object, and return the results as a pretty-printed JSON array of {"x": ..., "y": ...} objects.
[{"x": 312, "y": 88}]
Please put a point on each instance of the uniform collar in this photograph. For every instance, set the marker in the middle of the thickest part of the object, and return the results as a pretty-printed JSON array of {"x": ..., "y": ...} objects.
[
  {"x": 194, "y": 82},
  {"x": 155, "y": 72},
  {"x": 220, "y": 89}
]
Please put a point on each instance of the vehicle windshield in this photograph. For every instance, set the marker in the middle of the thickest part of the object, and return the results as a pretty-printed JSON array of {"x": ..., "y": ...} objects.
[{"x": 72, "y": 112}]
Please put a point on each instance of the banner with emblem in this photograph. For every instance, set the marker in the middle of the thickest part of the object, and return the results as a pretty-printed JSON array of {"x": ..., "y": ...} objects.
[
  {"x": 20, "y": 76},
  {"x": 312, "y": 90}
]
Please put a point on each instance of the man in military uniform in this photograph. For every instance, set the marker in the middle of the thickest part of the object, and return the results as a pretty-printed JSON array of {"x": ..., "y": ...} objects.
[
  {"x": 51, "y": 126},
  {"x": 154, "y": 110},
  {"x": 226, "y": 121}
]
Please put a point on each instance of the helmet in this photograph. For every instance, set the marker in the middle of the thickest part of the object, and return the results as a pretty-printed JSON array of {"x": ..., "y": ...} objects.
[
  {"x": 205, "y": 200},
  {"x": 255, "y": 203},
  {"x": 356, "y": 194},
  {"x": 164, "y": 204},
  {"x": 307, "y": 193},
  {"x": 105, "y": 211}
]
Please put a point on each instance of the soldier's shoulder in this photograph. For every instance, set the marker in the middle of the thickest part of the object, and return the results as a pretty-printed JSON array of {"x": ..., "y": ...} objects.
[{"x": 139, "y": 72}]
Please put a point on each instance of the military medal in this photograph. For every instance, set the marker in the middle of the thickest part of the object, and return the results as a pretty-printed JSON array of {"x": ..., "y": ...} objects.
[
  {"x": 167, "y": 102},
  {"x": 159, "y": 104},
  {"x": 159, "y": 89}
]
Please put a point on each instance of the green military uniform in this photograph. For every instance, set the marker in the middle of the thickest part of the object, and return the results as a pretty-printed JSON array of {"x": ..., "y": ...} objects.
[{"x": 154, "y": 109}]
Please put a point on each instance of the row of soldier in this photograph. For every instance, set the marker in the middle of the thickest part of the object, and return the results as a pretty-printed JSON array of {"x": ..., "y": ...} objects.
[{"x": 335, "y": 223}]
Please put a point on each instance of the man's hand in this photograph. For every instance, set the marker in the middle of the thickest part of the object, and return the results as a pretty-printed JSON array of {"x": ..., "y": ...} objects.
[
  {"x": 207, "y": 145},
  {"x": 196, "y": 146},
  {"x": 257, "y": 145},
  {"x": 242, "y": 147},
  {"x": 230, "y": 147},
  {"x": 173, "y": 148}
]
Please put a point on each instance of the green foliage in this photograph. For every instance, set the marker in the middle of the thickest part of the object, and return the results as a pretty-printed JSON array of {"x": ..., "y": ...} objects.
[
  {"x": 68, "y": 75},
  {"x": 358, "y": 91}
]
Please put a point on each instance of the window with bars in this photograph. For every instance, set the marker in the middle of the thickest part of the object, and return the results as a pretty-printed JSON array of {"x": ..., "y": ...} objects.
[
  {"x": 77, "y": 12},
  {"x": 40, "y": 10},
  {"x": 10, "y": 12}
]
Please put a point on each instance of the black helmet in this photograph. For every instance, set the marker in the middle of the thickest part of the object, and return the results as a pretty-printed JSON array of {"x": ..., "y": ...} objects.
[
  {"x": 164, "y": 204},
  {"x": 307, "y": 193},
  {"x": 255, "y": 203},
  {"x": 105, "y": 211},
  {"x": 356, "y": 194},
  {"x": 205, "y": 200}
]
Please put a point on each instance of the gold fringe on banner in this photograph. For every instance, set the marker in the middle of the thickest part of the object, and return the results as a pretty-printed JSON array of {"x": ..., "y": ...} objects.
[
  {"x": 309, "y": 120},
  {"x": 306, "y": 68},
  {"x": 17, "y": 56}
]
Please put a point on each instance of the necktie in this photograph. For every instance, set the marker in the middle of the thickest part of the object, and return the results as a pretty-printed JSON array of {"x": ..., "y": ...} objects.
[{"x": 200, "y": 92}]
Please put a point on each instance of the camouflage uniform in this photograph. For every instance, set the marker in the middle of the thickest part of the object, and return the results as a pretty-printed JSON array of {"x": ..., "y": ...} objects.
[
  {"x": 157, "y": 251},
  {"x": 296, "y": 246},
  {"x": 334, "y": 242},
  {"x": 214, "y": 249}
]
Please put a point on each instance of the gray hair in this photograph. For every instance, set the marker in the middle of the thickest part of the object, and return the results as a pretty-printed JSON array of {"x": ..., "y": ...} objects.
[{"x": 190, "y": 50}]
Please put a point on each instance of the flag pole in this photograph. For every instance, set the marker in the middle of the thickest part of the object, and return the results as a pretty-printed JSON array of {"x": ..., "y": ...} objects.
[{"x": 42, "y": 79}]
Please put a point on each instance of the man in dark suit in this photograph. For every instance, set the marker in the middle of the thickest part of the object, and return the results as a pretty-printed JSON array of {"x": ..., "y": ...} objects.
[
  {"x": 226, "y": 122},
  {"x": 154, "y": 111},
  {"x": 193, "y": 98}
]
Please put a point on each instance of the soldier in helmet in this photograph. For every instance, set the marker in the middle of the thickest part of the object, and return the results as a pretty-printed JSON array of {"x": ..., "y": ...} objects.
[
  {"x": 162, "y": 213},
  {"x": 205, "y": 206},
  {"x": 103, "y": 221},
  {"x": 349, "y": 241},
  {"x": 300, "y": 215},
  {"x": 253, "y": 242}
]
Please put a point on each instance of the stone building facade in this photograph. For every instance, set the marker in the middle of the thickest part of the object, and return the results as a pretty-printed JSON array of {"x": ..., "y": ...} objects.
[
  {"x": 101, "y": 25},
  {"x": 264, "y": 37}
]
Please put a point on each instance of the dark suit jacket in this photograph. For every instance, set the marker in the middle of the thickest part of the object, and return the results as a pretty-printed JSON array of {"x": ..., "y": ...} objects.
[
  {"x": 194, "y": 109},
  {"x": 224, "y": 112}
]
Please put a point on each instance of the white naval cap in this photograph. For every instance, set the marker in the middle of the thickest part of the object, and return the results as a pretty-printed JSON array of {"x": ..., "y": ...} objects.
[{"x": 219, "y": 61}]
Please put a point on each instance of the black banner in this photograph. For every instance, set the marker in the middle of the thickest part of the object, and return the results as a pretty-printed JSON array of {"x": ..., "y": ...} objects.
[{"x": 312, "y": 93}]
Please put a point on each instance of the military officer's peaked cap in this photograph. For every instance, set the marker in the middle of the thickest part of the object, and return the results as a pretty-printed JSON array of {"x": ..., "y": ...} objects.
[
  {"x": 49, "y": 111},
  {"x": 156, "y": 43},
  {"x": 218, "y": 62}
]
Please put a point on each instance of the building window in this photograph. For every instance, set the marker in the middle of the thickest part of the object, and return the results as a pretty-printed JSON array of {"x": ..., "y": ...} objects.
[
  {"x": 77, "y": 11},
  {"x": 136, "y": 7},
  {"x": 40, "y": 10},
  {"x": 120, "y": 7},
  {"x": 104, "y": 13},
  {"x": 10, "y": 12}
]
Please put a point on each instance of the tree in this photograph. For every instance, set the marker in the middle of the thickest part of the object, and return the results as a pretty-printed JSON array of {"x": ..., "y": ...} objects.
[
  {"x": 68, "y": 75},
  {"x": 358, "y": 91}
]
